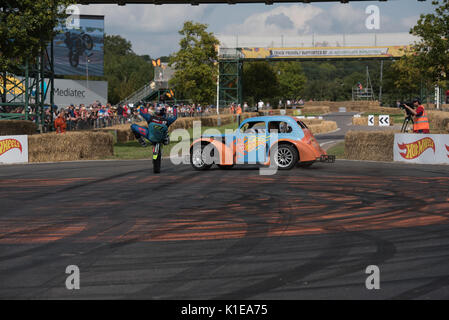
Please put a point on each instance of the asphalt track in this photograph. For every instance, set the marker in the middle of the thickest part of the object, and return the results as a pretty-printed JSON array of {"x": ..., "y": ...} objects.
[{"x": 224, "y": 234}]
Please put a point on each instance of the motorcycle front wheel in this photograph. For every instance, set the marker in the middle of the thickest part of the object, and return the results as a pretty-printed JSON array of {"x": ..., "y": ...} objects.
[{"x": 157, "y": 158}]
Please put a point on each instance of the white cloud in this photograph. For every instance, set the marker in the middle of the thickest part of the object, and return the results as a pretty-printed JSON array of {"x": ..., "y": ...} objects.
[
  {"x": 154, "y": 29},
  {"x": 304, "y": 24},
  {"x": 409, "y": 22},
  {"x": 256, "y": 24}
]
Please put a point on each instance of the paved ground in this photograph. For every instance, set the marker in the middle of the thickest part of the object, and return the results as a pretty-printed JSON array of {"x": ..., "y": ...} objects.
[{"x": 300, "y": 234}]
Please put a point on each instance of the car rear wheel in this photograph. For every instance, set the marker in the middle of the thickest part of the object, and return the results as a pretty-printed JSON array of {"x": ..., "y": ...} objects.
[
  {"x": 198, "y": 159},
  {"x": 285, "y": 156}
]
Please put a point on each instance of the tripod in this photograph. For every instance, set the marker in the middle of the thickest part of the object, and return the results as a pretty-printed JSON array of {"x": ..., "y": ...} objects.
[{"x": 406, "y": 122}]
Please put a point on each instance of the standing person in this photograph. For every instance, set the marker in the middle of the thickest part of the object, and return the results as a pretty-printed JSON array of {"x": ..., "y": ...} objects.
[
  {"x": 421, "y": 120},
  {"x": 76, "y": 118},
  {"x": 260, "y": 105},
  {"x": 239, "y": 109},
  {"x": 60, "y": 122},
  {"x": 120, "y": 113}
]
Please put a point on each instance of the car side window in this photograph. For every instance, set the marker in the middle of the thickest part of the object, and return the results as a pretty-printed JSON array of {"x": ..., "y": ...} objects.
[
  {"x": 279, "y": 127},
  {"x": 253, "y": 127}
]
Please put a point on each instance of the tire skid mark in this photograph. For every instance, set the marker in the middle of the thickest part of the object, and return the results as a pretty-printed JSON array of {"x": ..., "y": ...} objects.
[
  {"x": 256, "y": 230},
  {"x": 89, "y": 255}
]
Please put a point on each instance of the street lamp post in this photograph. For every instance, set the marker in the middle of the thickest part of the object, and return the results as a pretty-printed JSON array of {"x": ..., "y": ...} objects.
[{"x": 87, "y": 72}]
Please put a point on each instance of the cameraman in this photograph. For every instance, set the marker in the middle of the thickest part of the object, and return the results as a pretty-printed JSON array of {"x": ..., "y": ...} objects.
[{"x": 421, "y": 121}]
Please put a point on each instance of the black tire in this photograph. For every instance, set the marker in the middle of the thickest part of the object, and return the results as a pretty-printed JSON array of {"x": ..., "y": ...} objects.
[
  {"x": 225, "y": 166},
  {"x": 196, "y": 160},
  {"x": 285, "y": 157},
  {"x": 157, "y": 162},
  {"x": 74, "y": 60}
]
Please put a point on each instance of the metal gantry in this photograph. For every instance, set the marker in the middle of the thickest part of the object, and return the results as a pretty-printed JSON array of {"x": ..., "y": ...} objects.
[{"x": 28, "y": 87}]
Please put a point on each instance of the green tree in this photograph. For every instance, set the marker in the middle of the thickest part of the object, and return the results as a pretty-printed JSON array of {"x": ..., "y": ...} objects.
[
  {"x": 25, "y": 27},
  {"x": 125, "y": 71},
  {"x": 291, "y": 79},
  {"x": 195, "y": 70},
  {"x": 431, "y": 53},
  {"x": 259, "y": 81}
]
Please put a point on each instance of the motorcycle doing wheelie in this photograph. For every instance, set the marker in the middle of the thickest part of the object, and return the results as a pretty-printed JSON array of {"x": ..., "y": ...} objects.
[
  {"x": 77, "y": 45},
  {"x": 156, "y": 133}
]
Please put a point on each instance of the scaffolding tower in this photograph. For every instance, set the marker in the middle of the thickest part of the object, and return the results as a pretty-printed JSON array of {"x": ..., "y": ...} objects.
[{"x": 366, "y": 93}]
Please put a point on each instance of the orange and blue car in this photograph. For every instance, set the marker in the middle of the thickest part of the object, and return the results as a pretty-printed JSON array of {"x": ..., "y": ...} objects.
[{"x": 283, "y": 141}]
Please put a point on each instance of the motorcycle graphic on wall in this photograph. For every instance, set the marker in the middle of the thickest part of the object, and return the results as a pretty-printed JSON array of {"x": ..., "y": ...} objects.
[{"x": 78, "y": 44}]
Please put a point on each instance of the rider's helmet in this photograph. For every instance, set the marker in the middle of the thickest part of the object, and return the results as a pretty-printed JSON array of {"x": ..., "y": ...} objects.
[{"x": 160, "y": 111}]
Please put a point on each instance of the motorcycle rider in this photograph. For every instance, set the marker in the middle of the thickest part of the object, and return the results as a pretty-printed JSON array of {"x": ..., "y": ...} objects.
[{"x": 158, "y": 123}]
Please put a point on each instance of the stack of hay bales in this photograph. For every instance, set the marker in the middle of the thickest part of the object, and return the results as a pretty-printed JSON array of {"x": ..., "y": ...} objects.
[
  {"x": 70, "y": 146},
  {"x": 360, "y": 121},
  {"x": 316, "y": 110},
  {"x": 309, "y": 121},
  {"x": 439, "y": 121},
  {"x": 17, "y": 127},
  {"x": 323, "y": 127},
  {"x": 374, "y": 145},
  {"x": 355, "y": 106}
]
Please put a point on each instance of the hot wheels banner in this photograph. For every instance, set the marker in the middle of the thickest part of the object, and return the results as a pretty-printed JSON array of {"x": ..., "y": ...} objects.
[
  {"x": 421, "y": 148},
  {"x": 13, "y": 149}
]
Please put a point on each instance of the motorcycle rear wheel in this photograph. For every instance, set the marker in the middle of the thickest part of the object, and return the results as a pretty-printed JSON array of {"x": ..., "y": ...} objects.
[{"x": 74, "y": 60}]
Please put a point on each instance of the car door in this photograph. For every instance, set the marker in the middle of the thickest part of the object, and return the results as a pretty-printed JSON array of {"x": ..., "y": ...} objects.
[{"x": 251, "y": 141}]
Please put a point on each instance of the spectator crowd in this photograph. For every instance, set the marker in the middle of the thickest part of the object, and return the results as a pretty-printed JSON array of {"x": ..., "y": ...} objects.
[{"x": 97, "y": 115}]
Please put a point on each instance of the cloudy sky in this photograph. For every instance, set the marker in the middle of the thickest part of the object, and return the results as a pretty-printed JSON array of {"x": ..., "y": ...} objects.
[{"x": 154, "y": 29}]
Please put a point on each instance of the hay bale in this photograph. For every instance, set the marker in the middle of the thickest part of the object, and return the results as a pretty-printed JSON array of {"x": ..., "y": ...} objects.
[
  {"x": 316, "y": 110},
  {"x": 439, "y": 121},
  {"x": 17, "y": 127},
  {"x": 323, "y": 127},
  {"x": 310, "y": 122},
  {"x": 356, "y": 106},
  {"x": 361, "y": 121},
  {"x": 369, "y": 145},
  {"x": 70, "y": 146}
]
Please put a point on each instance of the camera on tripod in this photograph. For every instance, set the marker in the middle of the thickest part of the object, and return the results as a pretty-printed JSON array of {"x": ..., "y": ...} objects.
[
  {"x": 409, "y": 115},
  {"x": 407, "y": 111}
]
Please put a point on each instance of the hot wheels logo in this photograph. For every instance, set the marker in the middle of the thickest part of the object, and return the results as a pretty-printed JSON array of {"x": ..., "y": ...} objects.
[
  {"x": 415, "y": 149},
  {"x": 8, "y": 144}
]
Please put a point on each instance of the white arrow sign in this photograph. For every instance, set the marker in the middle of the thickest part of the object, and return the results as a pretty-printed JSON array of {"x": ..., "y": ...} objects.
[
  {"x": 371, "y": 120},
  {"x": 384, "y": 120}
]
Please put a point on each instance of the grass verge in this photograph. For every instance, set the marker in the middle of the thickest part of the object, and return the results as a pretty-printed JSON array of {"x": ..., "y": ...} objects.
[{"x": 338, "y": 150}]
